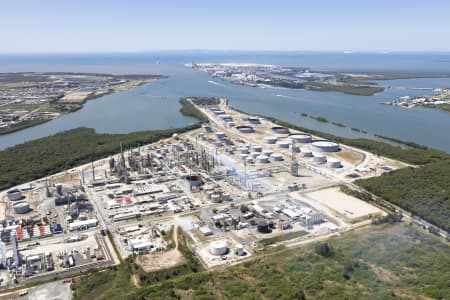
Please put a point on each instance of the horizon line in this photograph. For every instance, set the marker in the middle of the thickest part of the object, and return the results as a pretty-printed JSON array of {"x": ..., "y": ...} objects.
[{"x": 347, "y": 51}]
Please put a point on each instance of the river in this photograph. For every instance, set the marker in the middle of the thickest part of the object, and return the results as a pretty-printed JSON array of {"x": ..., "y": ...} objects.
[{"x": 155, "y": 105}]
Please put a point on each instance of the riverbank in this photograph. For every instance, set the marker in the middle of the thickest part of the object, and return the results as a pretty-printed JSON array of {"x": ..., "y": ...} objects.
[{"x": 45, "y": 98}]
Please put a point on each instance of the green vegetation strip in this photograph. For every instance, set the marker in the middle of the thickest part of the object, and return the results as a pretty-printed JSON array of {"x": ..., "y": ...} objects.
[
  {"x": 68, "y": 149},
  {"x": 282, "y": 238},
  {"x": 382, "y": 262}
]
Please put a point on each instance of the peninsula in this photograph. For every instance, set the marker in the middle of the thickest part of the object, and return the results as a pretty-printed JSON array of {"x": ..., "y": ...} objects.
[{"x": 31, "y": 98}]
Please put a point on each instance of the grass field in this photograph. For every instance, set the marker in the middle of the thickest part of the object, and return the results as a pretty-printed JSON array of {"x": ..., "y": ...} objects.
[{"x": 381, "y": 262}]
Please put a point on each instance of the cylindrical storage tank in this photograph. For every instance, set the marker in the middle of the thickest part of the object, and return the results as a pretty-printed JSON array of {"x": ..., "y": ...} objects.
[
  {"x": 226, "y": 197},
  {"x": 283, "y": 144},
  {"x": 250, "y": 160},
  {"x": 209, "y": 194},
  {"x": 226, "y": 117},
  {"x": 239, "y": 250},
  {"x": 231, "y": 124},
  {"x": 215, "y": 198},
  {"x": 254, "y": 120},
  {"x": 306, "y": 153},
  {"x": 262, "y": 226},
  {"x": 218, "y": 248},
  {"x": 296, "y": 149},
  {"x": 21, "y": 207},
  {"x": 263, "y": 159},
  {"x": 319, "y": 157},
  {"x": 243, "y": 150},
  {"x": 195, "y": 180},
  {"x": 277, "y": 157},
  {"x": 334, "y": 163},
  {"x": 243, "y": 156},
  {"x": 325, "y": 146},
  {"x": 220, "y": 135},
  {"x": 14, "y": 194},
  {"x": 267, "y": 152},
  {"x": 219, "y": 112},
  {"x": 280, "y": 130},
  {"x": 301, "y": 138},
  {"x": 245, "y": 129},
  {"x": 256, "y": 148},
  {"x": 176, "y": 147},
  {"x": 207, "y": 128},
  {"x": 214, "y": 108},
  {"x": 201, "y": 135},
  {"x": 254, "y": 154},
  {"x": 270, "y": 139}
]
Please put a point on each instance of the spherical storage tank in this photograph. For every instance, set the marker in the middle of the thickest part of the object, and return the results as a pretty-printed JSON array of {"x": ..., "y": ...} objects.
[
  {"x": 14, "y": 194},
  {"x": 245, "y": 129},
  {"x": 280, "y": 130},
  {"x": 319, "y": 157},
  {"x": 21, "y": 207},
  {"x": 301, "y": 138},
  {"x": 262, "y": 226},
  {"x": 218, "y": 248},
  {"x": 270, "y": 139},
  {"x": 334, "y": 163},
  {"x": 325, "y": 146}
]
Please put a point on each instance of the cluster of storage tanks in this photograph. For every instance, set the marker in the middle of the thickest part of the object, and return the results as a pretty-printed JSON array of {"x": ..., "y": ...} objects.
[
  {"x": 220, "y": 248},
  {"x": 20, "y": 207},
  {"x": 217, "y": 195},
  {"x": 315, "y": 150}
]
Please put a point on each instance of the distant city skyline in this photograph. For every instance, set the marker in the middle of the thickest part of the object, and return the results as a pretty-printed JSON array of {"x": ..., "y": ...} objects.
[{"x": 51, "y": 26}]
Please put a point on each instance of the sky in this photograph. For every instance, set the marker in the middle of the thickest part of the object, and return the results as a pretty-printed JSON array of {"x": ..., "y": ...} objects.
[{"x": 63, "y": 26}]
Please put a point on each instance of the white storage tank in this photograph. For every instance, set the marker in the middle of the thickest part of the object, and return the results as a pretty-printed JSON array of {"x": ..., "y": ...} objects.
[
  {"x": 277, "y": 157},
  {"x": 254, "y": 154},
  {"x": 296, "y": 149},
  {"x": 325, "y": 146},
  {"x": 243, "y": 156},
  {"x": 256, "y": 148},
  {"x": 267, "y": 152},
  {"x": 219, "y": 112},
  {"x": 283, "y": 144},
  {"x": 226, "y": 117},
  {"x": 215, "y": 198},
  {"x": 21, "y": 207},
  {"x": 239, "y": 250},
  {"x": 263, "y": 159},
  {"x": 334, "y": 163},
  {"x": 301, "y": 138},
  {"x": 319, "y": 157},
  {"x": 209, "y": 193},
  {"x": 218, "y": 248},
  {"x": 243, "y": 150},
  {"x": 231, "y": 124},
  {"x": 226, "y": 197},
  {"x": 250, "y": 160},
  {"x": 220, "y": 135},
  {"x": 14, "y": 194},
  {"x": 270, "y": 139}
]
